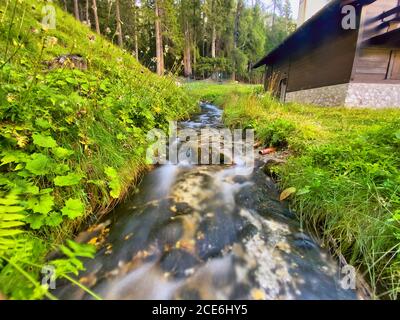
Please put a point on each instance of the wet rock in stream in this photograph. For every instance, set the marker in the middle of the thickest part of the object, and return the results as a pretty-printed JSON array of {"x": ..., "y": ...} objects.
[{"x": 178, "y": 263}]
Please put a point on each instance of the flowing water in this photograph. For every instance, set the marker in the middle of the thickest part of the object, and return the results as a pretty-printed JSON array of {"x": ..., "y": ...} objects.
[{"x": 206, "y": 232}]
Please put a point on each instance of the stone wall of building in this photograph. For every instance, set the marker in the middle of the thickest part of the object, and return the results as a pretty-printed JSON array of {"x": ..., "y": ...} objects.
[
  {"x": 373, "y": 95},
  {"x": 368, "y": 95},
  {"x": 325, "y": 96}
]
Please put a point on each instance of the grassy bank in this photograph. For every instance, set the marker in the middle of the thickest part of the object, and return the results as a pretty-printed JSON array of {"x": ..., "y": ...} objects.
[
  {"x": 345, "y": 166},
  {"x": 217, "y": 92},
  {"x": 72, "y": 139}
]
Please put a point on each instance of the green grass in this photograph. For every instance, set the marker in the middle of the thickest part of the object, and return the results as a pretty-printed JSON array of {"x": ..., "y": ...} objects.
[
  {"x": 345, "y": 166},
  {"x": 72, "y": 141},
  {"x": 216, "y": 92}
]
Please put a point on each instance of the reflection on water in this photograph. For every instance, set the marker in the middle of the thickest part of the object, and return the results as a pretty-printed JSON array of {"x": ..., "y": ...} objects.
[{"x": 207, "y": 232}]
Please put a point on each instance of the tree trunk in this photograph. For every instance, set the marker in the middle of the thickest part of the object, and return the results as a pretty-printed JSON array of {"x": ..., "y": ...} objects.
[
  {"x": 87, "y": 13},
  {"x": 136, "y": 46},
  {"x": 119, "y": 27},
  {"x": 273, "y": 13},
  {"x": 159, "y": 41},
  {"x": 204, "y": 40},
  {"x": 96, "y": 17},
  {"x": 81, "y": 15},
  {"x": 76, "y": 10},
  {"x": 213, "y": 41},
  {"x": 136, "y": 31},
  {"x": 65, "y": 6},
  {"x": 187, "y": 65},
  {"x": 236, "y": 35}
]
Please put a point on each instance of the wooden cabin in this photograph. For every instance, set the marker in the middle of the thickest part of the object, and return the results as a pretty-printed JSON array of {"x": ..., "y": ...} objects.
[{"x": 323, "y": 63}]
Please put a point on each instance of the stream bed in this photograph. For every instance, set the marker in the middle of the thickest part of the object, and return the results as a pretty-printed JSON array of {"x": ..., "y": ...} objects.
[{"x": 206, "y": 232}]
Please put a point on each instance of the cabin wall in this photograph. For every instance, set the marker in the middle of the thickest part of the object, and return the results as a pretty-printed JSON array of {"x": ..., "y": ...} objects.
[
  {"x": 345, "y": 70},
  {"x": 328, "y": 64},
  {"x": 371, "y": 65}
]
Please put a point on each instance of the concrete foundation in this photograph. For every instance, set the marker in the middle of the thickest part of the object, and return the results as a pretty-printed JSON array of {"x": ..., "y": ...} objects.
[{"x": 367, "y": 95}]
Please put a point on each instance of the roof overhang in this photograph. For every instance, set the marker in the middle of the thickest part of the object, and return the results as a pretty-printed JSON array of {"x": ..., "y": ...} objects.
[
  {"x": 319, "y": 28},
  {"x": 389, "y": 39}
]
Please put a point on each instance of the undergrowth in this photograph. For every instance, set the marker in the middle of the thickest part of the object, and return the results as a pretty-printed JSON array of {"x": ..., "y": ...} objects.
[{"x": 72, "y": 140}]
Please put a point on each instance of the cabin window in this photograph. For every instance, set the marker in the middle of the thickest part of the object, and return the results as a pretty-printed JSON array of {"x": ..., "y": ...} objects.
[{"x": 394, "y": 66}]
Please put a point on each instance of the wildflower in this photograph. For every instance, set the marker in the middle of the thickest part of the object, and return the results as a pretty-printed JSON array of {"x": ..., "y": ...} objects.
[{"x": 10, "y": 97}]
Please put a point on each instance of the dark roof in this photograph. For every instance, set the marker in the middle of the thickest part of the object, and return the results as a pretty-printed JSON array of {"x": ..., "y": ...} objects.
[{"x": 315, "y": 30}]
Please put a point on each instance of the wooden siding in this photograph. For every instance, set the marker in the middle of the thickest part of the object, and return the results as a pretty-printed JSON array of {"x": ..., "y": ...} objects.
[
  {"x": 394, "y": 66},
  {"x": 371, "y": 65},
  {"x": 329, "y": 64},
  {"x": 344, "y": 57}
]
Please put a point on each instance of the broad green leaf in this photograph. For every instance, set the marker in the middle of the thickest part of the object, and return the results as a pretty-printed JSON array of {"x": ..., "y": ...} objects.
[
  {"x": 61, "y": 169},
  {"x": 13, "y": 156},
  {"x": 36, "y": 221},
  {"x": 44, "y": 141},
  {"x": 22, "y": 186},
  {"x": 54, "y": 219},
  {"x": 114, "y": 182},
  {"x": 68, "y": 180},
  {"x": 73, "y": 208},
  {"x": 62, "y": 153},
  {"x": 43, "y": 123},
  {"x": 46, "y": 190},
  {"x": 115, "y": 187},
  {"x": 39, "y": 164},
  {"x": 396, "y": 215},
  {"x": 111, "y": 172},
  {"x": 42, "y": 204},
  {"x": 19, "y": 166}
]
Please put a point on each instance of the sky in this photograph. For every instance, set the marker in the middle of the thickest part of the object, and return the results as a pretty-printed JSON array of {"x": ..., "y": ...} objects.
[
  {"x": 294, "y": 5},
  {"x": 295, "y": 8}
]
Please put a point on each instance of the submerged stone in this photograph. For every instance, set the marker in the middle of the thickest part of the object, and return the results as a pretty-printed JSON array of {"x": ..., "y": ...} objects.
[{"x": 177, "y": 262}]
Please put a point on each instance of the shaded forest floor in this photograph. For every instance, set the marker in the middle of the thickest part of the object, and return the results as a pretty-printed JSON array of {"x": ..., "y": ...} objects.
[{"x": 345, "y": 167}]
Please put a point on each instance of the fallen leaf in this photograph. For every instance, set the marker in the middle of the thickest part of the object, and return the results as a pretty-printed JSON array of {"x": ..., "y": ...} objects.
[
  {"x": 258, "y": 294},
  {"x": 93, "y": 241},
  {"x": 287, "y": 193}
]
